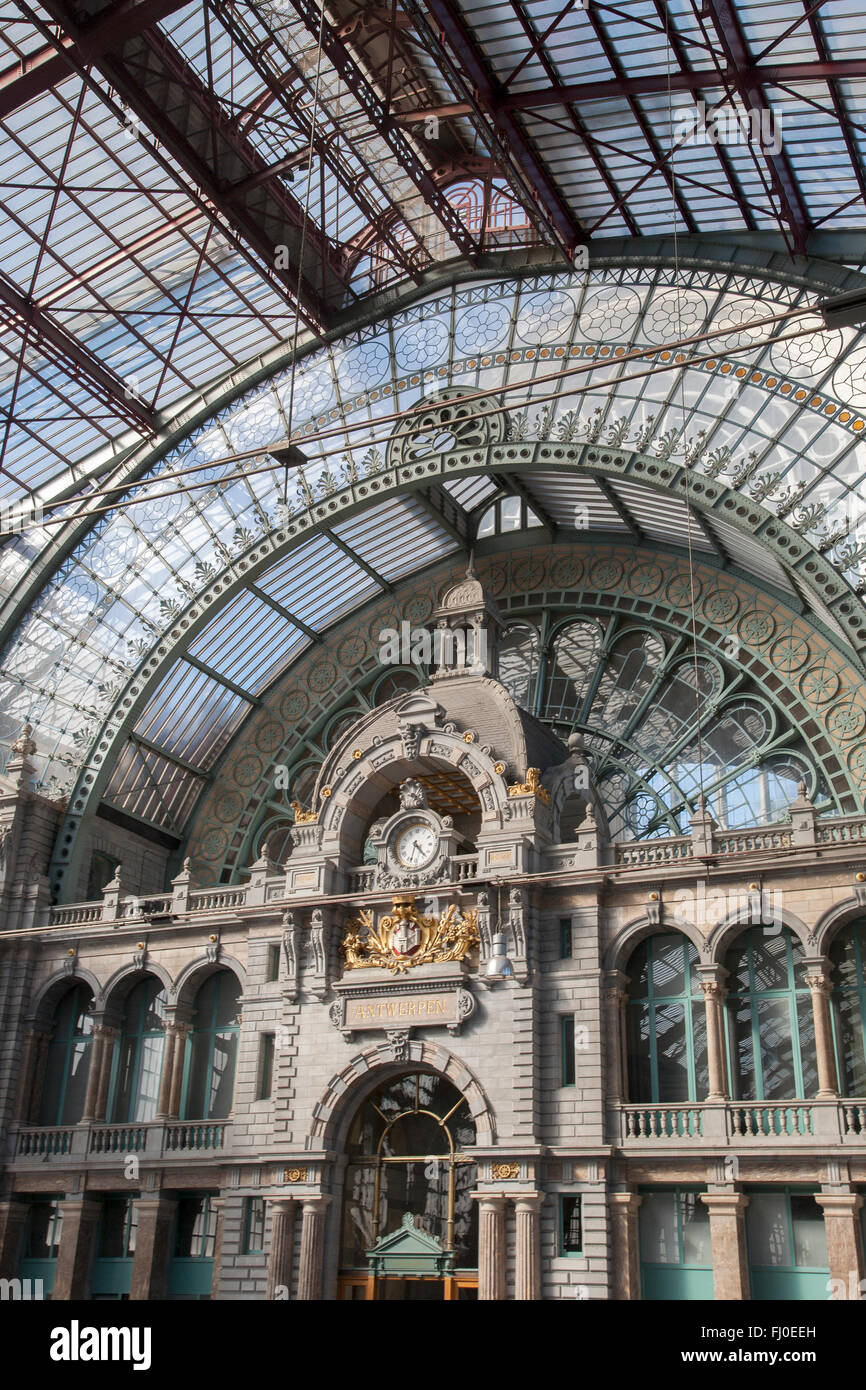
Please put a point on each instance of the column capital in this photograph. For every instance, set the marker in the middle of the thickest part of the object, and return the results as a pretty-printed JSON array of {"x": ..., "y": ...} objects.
[
  {"x": 712, "y": 973},
  {"x": 527, "y": 1201},
  {"x": 628, "y": 1201},
  {"x": 725, "y": 1203},
  {"x": 839, "y": 1203},
  {"x": 817, "y": 972},
  {"x": 490, "y": 1199},
  {"x": 314, "y": 1201}
]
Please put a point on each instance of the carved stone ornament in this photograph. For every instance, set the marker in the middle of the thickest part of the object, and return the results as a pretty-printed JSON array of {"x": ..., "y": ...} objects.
[
  {"x": 412, "y": 794},
  {"x": 505, "y": 1170},
  {"x": 405, "y": 938},
  {"x": 399, "y": 1040}
]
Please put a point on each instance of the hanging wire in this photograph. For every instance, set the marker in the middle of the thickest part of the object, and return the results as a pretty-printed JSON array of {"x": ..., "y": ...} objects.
[
  {"x": 117, "y": 490},
  {"x": 303, "y": 244},
  {"x": 686, "y": 464}
]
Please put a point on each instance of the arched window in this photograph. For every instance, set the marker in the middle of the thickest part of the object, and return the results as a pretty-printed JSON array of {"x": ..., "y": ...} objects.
[
  {"x": 212, "y": 1049},
  {"x": 667, "y": 1034},
  {"x": 68, "y": 1064},
  {"x": 406, "y": 1159},
  {"x": 771, "y": 1032},
  {"x": 518, "y": 662},
  {"x": 628, "y": 675},
  {"x": 138, "y": 1057},
  {"x": 848, "y": 954},
  {"x": 575, "y": 653}
]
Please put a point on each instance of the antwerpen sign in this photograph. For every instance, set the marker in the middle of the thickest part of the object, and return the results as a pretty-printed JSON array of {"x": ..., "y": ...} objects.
[{"x": 388, "y": 1009}]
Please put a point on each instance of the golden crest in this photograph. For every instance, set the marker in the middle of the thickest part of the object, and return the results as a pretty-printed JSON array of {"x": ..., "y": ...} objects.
[
  {"x": 531, "y": 787},
  {"x": 405, "y": 938}
]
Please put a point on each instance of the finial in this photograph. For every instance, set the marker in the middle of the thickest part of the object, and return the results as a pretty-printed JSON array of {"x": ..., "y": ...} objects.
[{"x": 470, "y": 568}]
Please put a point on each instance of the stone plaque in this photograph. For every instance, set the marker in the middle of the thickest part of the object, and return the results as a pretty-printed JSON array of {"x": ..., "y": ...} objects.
[{"x": 420, "y": 1009}]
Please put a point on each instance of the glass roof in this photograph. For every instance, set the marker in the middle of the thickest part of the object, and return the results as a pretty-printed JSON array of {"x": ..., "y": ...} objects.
[
  {"x": 190, "y": 187},
  {"x": 790, "y": 419}
]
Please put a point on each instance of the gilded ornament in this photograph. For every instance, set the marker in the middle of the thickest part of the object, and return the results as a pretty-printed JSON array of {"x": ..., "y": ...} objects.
[
  {"x": 294, "y": 1175},
  {"x": 531, "y": 787},
  {"x": 405, "y": 938},
  {"x": 506, "y": 1170},
  {"x": 303, "y": 817}
]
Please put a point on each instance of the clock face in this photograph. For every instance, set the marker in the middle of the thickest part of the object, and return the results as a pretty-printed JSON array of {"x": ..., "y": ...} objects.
[{"x": 416, "y": 845}]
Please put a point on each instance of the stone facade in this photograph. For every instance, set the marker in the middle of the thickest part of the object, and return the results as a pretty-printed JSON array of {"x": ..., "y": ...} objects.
[{"x": 548, "y": 1127}]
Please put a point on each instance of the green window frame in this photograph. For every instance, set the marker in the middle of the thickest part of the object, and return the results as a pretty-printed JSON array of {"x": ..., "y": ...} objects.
[
  {"x": 848, "y": 1000},
  {"x": 40, "y": 1246},
  {"x": 571, "y": 1224},
  {"x": 267, "y": 1048},
  {"x": 68, "y": 1063},
  {"x": 211, "y": 1050},
  {"x": 138, "y": 1055},
  {"x": 568, "y": 1069},
  {"x": 787, "y": 1247},
  {"x": 254, "y": 1226},
  {"x": 676, "y": 1255},
  {"x": 565, "y": 938},
  {"x": 770, "y": 1024},
  {"x": 666, "y": 1023}
]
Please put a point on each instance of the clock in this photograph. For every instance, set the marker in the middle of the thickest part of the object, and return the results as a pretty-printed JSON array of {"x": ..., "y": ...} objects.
[{"x": 416, "y": 845}]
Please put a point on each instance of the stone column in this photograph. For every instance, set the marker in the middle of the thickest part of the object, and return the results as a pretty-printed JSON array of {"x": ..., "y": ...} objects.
[
  {"x": 109, "y": 1037},
  {"x": 844, "y": 1241},
  {"x": 12, "y": 1218},
  {"x": 527, "y": 1259},
  {"x": 312, "y": 1247},
  {"x": 712, "y": 978},
  {"x": 76, "y": 1245},
  {"x": 728, "y": 1239},
  {"x": 152, "y": 1237},
  {"x": 491, "y": 1245},
  {"x": 282, "y": 1245},
  {"x": 614, "y": 1001},
  {"x": 818, "y": 970},
  {"x": 173, "y": 1055},
  {"x": 625, "y": 1251}
]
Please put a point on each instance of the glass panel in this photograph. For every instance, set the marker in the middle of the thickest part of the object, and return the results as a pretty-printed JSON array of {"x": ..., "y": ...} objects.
[
  {"x": 44, "y": 1220},
  {"x": 810, "y": 1232},
  {"x": 222, "y": 1076},
  {"x": 668, "y": 965},
  {"x": 518, "y": 662},
  {"x": 673, "y": 1071},
  {"x": 150, "y": 1070},
  {"x": 769, "y": 1240},
  {"x": 851, "y": 1050},
  {"x": 743, "y": 1077},
  {"x": 639, "y": 1052},
  {"x": 695, "y": 1219},
  {"x": 659, "y": 1243},
  {"x": 76, "y": 1082},
  {"x": 777, "y": 1048}
]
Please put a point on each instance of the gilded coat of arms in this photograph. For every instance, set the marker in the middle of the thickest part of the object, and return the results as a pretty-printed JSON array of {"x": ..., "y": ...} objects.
[{"x": 405, "y": 938}]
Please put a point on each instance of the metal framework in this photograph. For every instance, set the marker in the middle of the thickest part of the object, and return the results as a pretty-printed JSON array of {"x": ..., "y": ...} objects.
[{"x": 180, "y": 183}]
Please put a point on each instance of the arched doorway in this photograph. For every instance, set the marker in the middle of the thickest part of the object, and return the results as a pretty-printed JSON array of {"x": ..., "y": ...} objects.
[{"x": 409, "y": 1223}]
